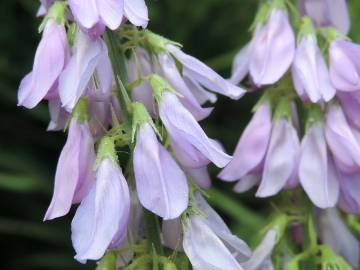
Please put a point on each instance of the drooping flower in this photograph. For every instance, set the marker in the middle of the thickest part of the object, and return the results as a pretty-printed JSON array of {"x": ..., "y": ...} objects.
[
  {"x": 198, "y": 72},
  {"x": 343, "y": 140},
  {"x": 327, "y": 13},
  {"x": 89, "y": 13},
  {"x": 334, "y": 233},
  {"x": 58, "y": 115},
  {"x": 317, "y": 172},
  {"x": 272, "y": 49},
  {"x": 281, "y": 159},
  {"x": 350, "y": 103},
  {"x": 344, "y": 65},
  {"x": 240, "y": 65},
  {"x": 172, "y": 75},
  {"x": 349, "y": 200},
  {"x": 261, "y": 257},
  {"x": 199, "y": 176},
  {"x": 49, "y": 62},
  {"x": 252, "y": 146},
  {"x": 88, "y": 55},
  {"x": 160, "y": 183},
  {"x": 74, "y": 172},
  {"x": 310, "y": 74},
  {"x": 100, "y": 221},
  {"x": 190, "y": 143}
]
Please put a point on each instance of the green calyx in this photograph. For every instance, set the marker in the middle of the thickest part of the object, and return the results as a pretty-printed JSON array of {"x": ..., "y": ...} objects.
[
  {"x": 157, "y": 43},
  {"x": 283, "y": 110},
  {"x": 106, "y": 150},
  {"x": 56, "y": 12},
  {"x": 159, "y": 85},
  {"x": 278, "y": 3},
  {"x": 141, "y": 116},
  {"x": 80, "y": 110},
  {"x": 306, "y": 28},
  {"x": 314, "y": 114},
  {"x": 331, "y": 34},
  {"x": 261, "y": 15}
]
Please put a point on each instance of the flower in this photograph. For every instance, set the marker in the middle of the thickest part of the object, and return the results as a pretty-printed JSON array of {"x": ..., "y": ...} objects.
[
  {"x": 88, "y": 13},
  {"x": 160, "y": 183},
  {"x": 74, "y": 172},
  {"x": 58, "y": 115},
  {"x": 281, "y": 159},
  {"x": 317, "y": 172},
  {"x": 310, "y": 74},
  {"x": 49, "y": 62},
  {"x": 191, "y": 145},
  {"x": 198, "y": 72},
  {"x": 88, "y": 57},
  {"x": 334, "y": 233},
  {"x": 272, "y": 49},
  {"x": 349, "y": 200},
  {"x": 327, "y": 13},
  {"x": 344, "y": 65},
  {"x": 252, "y": 146},
  {"x": 350, "y": 103},
  {"x": 100, "y": 221},
  {"x": 199, "y": 176}
]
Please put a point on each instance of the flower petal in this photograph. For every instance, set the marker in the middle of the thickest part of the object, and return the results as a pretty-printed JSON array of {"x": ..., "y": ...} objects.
[
  {"x": 85, "y": 12},
  {"x": 111, "y": 12},
  {"x": 137, "y": 12}
]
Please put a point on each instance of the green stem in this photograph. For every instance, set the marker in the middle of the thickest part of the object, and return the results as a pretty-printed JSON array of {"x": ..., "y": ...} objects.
[{"x": 153, "y": 232}]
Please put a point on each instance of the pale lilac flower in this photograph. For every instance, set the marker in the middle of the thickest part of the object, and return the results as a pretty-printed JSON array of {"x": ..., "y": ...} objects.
[
  {"x": 190, "y": 143},
  {"x": 247, "y": 182},
  {"x": 349, "y": 200},
  {"x": 74, "y": 172},
  {"x": 49, "y": 62},
  {"x": 99, "y": 117},
  {"x": 172, "y": 234},
  {"x": 101, "y": 219},
  {"x": 199, "y": 92},
  {"x": 240, "y": 66},
  {"x": 172, "y": 75},
  {"x": 350, "y": 103},
  {"x": 252, "y": 146},
  {"x": 160, "y": 183},
  {"x": 317, "y": 172},
  {"x": 141, "y": 93},
  {"x": 58, "y": 115},
  {"x": 199, "y": 176},
  {"x": 87, "y": 55},
  {"x": 261, "y": 257},
  {"x": 272, "y": 49},
  {"x": 44, "y": 6},
  {"x": 344, "y": 65},
  {"x": 327, "y": 13},
  {"x": 334, "y": 233},
  {"x": 310, "y": 74},
  {"x": 88, "y": 13},
  {"x": 281, "y": 158},
  {"x": 235, "y": 245},
  {"x": 204, "y": 248},
  {"x": 205, "y": 76},
  {"x": 343, "y": 140}
]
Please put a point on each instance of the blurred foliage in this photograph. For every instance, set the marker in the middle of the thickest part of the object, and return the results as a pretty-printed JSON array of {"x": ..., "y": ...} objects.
[{"x": 212, "y": 30}]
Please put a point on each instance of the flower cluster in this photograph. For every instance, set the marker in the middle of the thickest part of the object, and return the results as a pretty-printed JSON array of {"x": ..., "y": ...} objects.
[{"x": 117, "y": 89}]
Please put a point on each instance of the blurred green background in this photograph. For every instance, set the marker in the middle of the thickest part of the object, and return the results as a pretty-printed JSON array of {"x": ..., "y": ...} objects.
[{"x": 212, "y": 30}]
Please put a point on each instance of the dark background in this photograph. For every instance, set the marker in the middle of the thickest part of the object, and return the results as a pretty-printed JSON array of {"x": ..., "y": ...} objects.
[{"x": 212, "y": 30}]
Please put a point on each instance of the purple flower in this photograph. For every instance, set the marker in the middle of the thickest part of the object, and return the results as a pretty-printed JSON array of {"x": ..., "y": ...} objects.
[
  {"x": 101, "y": 219},
  {"x": 349, "y": 199},
  {"x": 74, "y": 172},
  {"x": 334, "y": 233},
  {"x": 172, "y": 234},
  {"x": 317, "y": 172},
  {"x": 343, "y": 140},
  {"x": 49, "y": 62},
  {"x": 141, "y": 93},
  {"x": 191, "y": 145},
  {"x": 172, "y": 75},
  {"x": 247, "y": 182},
  {"x": 198, "y": 72},
  {"x": 350, "y": 103},
  {"x": 261, "y": 257},
  {"x": 272, "y": 49},
  {"x": 88, "y": 13},
  {"x": 345, "y": 65},
  {"x": 204, "y": 249},
  {"x": 252, "y": 146},
  {"x": 87, "y": 55},
  {"x": 240, "y": 66},
  {"x": 160, "y": 183},
  {"x": 281, "y": 158},
  {"x": 58, "y": 115},
  {"x": 327, "y": 13},
  {"x": 310, "y": 74}
]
